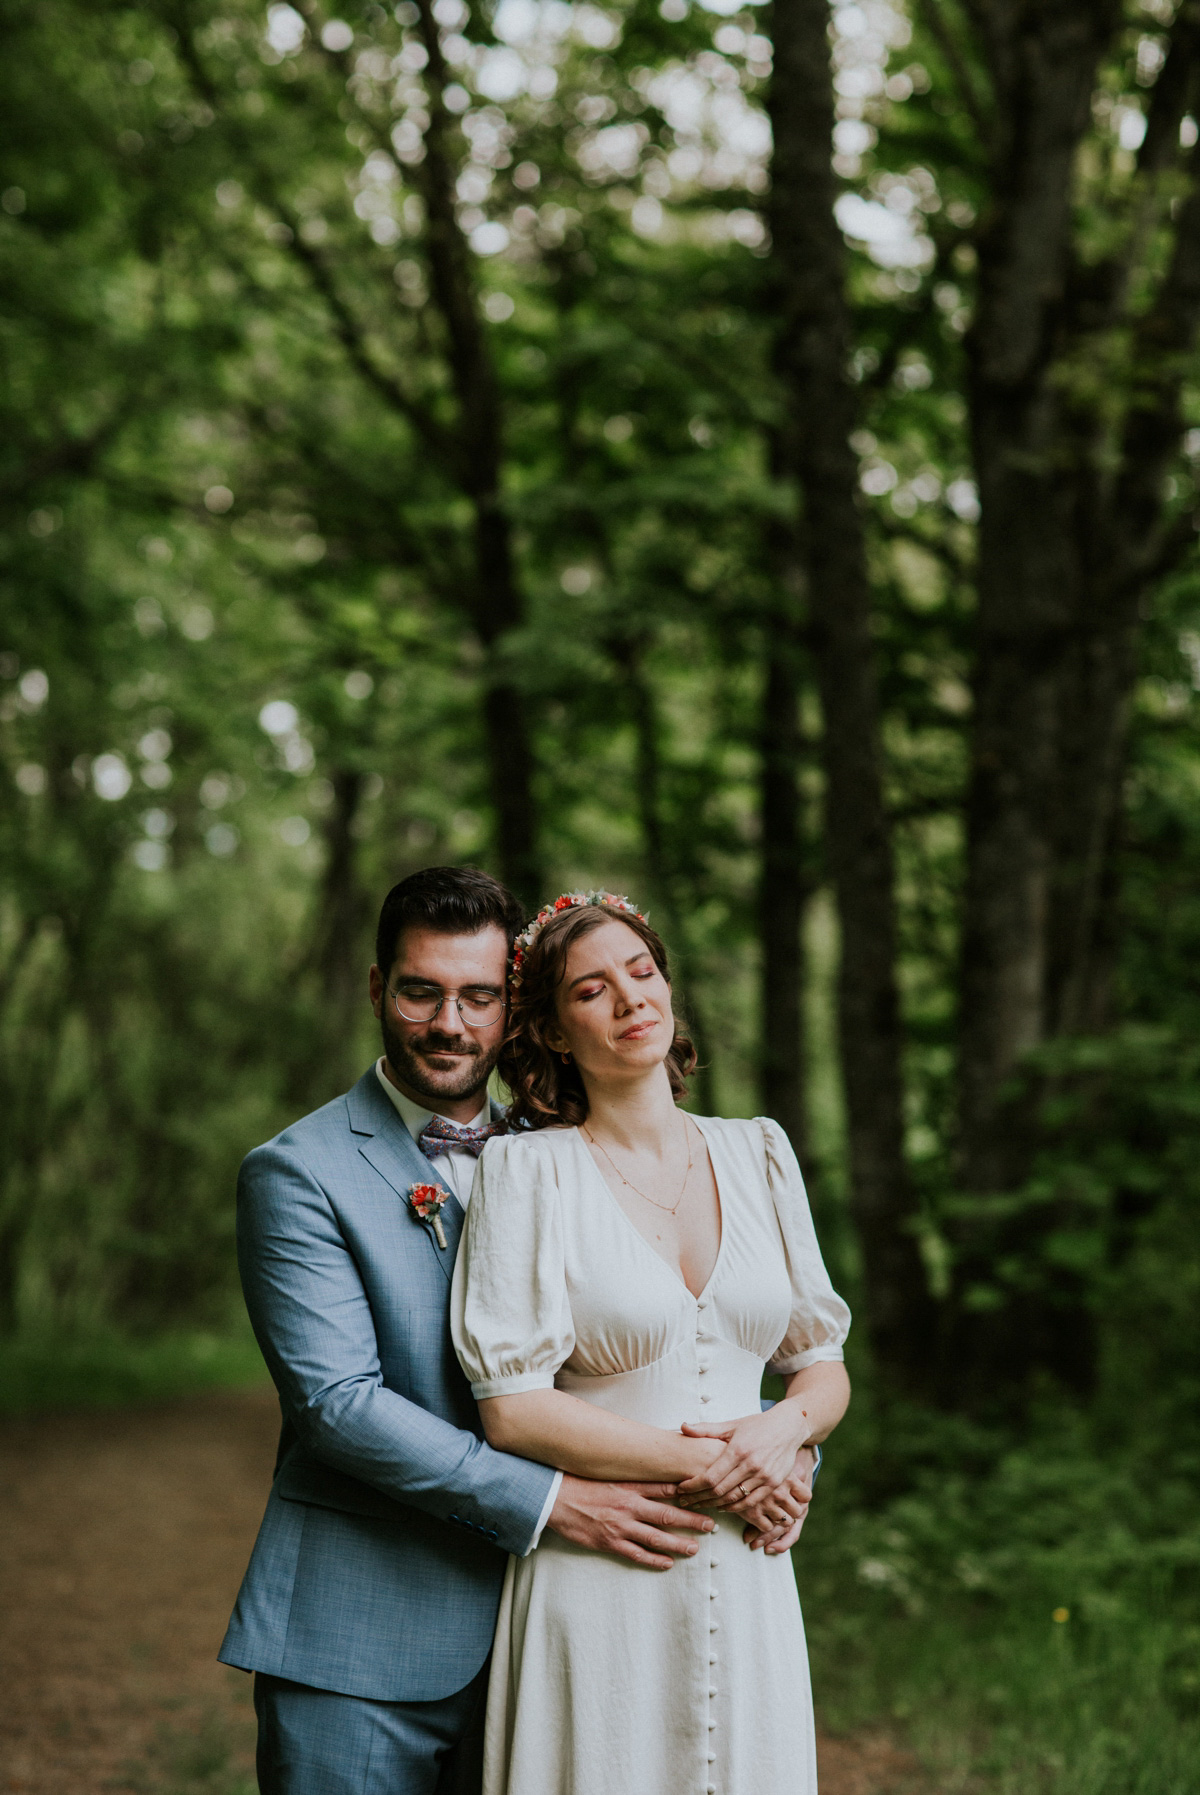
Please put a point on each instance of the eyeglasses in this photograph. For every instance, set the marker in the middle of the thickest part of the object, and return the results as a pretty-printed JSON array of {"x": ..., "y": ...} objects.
[{"x": 421, "y": 1003}]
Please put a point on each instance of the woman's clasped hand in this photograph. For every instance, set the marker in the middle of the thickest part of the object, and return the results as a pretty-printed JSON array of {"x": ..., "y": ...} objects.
[{"x": 761, "y": 1471}]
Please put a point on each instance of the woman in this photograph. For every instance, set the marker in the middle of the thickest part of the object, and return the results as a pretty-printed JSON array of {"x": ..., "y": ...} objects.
[{"x": 626, "y": 1274}]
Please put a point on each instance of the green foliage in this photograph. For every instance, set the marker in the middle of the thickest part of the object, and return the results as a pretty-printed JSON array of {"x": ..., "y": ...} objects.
[
  {"x": 1026, "y": 1613},
  {"x": 42, "y": 1374},
  {"x": 242, "y": 691}
]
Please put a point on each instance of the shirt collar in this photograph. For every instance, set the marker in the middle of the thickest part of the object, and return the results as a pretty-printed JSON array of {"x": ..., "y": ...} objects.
[{"x": 412, "y": 1114}]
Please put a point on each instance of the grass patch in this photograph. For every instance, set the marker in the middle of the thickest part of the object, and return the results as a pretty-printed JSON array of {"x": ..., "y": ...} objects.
[
  {"x": 212, "y": 1757},
  {"x": 40, "y": 1375},
  {"x": 1031, "y": 1626}
]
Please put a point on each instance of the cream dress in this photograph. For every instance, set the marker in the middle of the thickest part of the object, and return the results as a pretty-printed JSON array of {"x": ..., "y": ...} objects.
[{"x": 609, "y": 1679}]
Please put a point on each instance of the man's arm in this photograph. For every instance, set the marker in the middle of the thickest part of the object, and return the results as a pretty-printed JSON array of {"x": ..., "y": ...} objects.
[{"x": 313, "y": 1322}]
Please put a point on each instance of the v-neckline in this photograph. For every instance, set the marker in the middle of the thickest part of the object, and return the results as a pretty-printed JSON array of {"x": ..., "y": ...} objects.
[{"x": 675, "y": 1276}]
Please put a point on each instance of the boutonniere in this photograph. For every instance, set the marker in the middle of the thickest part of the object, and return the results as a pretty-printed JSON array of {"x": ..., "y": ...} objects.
[{"x": 426, "y": 1201}]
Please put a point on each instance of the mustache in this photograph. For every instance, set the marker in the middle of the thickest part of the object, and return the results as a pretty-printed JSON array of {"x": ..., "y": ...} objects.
[{"x": 433, "y": 1042}]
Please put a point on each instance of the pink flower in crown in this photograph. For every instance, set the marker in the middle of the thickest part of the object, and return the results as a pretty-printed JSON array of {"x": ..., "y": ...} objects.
[{"x": 427, "y": 1201}]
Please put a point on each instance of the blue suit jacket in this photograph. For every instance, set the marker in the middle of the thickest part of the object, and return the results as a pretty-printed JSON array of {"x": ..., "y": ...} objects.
[{"x": 378, "y": 1565}]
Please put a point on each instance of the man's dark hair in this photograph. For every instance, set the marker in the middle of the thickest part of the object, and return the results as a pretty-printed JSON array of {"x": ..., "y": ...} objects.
[{"x": 455, "y": 900}]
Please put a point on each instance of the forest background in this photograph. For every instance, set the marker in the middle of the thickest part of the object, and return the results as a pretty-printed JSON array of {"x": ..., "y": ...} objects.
[{"x": 743, "y": 456}]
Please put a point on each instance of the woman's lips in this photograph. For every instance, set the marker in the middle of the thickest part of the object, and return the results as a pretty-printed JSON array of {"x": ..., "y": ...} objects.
[{"x": 637, "y": 1031}]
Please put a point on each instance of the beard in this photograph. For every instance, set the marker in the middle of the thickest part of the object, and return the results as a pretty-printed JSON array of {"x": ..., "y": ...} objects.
[{"x": 406, "y": 1055}]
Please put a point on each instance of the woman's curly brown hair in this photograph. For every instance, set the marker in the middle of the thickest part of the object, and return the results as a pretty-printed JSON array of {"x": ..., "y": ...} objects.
[{"x": 544, "y": 1091}]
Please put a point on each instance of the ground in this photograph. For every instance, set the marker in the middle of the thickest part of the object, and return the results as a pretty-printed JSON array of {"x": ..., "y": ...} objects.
[{"x": 123, "y": 1536}]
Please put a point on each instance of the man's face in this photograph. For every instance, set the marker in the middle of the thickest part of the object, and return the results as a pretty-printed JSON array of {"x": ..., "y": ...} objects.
[{"x": 444, "y": 1060}]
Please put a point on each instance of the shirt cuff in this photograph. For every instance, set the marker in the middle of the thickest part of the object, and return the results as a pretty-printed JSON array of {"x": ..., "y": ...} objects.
[
  {"x": 800, "y": 1361},
  {"x": 547, "y": 1509},
  {"x": 516, "y": 1385}
]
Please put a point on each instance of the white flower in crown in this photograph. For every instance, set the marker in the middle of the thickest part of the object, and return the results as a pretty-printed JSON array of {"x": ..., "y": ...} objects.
[{"x": 570, "y": 900}]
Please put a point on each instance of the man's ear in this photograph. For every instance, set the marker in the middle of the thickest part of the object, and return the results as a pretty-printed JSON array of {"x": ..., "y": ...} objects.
[{"x": 376, "y": 987}]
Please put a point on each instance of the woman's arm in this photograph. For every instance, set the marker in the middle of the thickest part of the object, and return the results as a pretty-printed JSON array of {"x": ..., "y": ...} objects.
[
  {"x": 575, "y": 1436},
  {"x": 760, "y": 1450}
]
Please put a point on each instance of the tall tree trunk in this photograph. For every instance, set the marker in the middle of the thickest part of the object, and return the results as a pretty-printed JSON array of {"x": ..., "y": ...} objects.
[
  {"x": 1028, "y": 574},
  {"x": 1074, "y": 531},
  {"x": 660, "y": 865},
  {"x": 322, "y": 1058},
  {"x": 343, "y": 917},
  {"x": 496, "y": 602},
  {"x": 784, "y": 885},
  {"x": 811, "y": 355}
]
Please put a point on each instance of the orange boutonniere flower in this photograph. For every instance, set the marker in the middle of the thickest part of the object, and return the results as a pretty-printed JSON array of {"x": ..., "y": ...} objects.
[{"x": 426, "y": 1201}]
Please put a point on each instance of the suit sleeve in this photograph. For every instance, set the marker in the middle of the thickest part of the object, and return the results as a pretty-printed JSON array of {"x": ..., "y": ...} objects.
[{"x": 313, "y": 1322}]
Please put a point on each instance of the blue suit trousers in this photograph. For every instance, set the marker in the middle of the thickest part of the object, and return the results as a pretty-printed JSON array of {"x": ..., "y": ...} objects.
[{"x": 316, "y": 1742}]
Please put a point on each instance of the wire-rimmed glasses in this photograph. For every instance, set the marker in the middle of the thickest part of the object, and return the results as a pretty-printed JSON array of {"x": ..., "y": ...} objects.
[{"x": 421, "y": 1003}]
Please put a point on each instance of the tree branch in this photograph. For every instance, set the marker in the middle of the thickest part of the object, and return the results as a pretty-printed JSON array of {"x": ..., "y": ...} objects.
[
  {"x": 350, "y": 331},
  {"x": 933, "y": 17}
]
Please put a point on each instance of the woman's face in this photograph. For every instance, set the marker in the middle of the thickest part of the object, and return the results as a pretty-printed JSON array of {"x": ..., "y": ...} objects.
[{"x": 614, "y": 1005}]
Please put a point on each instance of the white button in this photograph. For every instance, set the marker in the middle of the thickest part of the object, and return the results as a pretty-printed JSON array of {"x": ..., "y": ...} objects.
[
  {"x": 712, "y": 1726},
  {"x": 712, "y": 1660},
  {"x": 712, "y": 1595},
  {"x": 712, "y": 1690},
  {"x": 712, "y": 1757},
  {"x": 704, "y": 1398},
  {"x": 713, "y": 1627}
]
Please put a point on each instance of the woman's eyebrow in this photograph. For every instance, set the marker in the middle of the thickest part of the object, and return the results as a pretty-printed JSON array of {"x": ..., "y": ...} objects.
[{"x": 631, "y": 961}]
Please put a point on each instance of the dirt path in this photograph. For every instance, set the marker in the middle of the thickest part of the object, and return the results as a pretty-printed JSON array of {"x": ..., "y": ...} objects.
[{"x": 122, "y": 1541}]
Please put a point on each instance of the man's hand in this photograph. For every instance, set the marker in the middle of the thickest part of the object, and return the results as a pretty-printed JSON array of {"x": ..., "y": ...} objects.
[{"x": 637, "y": 1521}]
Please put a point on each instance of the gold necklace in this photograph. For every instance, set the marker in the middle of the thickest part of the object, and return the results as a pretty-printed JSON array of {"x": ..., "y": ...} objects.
[{"x": 666, "y": 1209}]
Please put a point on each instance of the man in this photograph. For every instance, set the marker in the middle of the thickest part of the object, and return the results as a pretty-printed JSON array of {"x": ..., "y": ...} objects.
[{"x": 369, "y": 1604}]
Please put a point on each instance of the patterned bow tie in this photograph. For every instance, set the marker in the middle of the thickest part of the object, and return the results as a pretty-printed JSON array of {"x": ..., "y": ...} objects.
[{"x": 438, "y": 1136}]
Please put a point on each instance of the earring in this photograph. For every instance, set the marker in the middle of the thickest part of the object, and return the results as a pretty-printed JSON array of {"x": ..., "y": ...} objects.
[{"x": 566, "y": 1059}]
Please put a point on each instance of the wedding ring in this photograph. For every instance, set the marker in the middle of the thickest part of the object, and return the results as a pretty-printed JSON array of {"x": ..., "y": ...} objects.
[{"x": 743, "y": 1491}]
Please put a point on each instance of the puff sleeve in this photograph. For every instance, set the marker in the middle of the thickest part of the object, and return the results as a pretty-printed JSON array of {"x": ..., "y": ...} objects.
[
  {"x": 509, "y": 1311},
  {"x": 820, "y": 1319}
]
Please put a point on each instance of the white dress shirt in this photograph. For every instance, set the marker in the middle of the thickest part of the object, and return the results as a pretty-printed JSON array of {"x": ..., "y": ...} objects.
[{"x": 456, "y": 1167}]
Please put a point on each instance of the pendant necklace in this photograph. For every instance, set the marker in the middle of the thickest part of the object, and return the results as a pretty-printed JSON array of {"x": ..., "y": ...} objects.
[{"x": 667, "y": 1208}]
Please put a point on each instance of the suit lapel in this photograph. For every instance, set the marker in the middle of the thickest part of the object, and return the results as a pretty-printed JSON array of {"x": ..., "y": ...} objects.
[{"x": 390, "y": 1150}]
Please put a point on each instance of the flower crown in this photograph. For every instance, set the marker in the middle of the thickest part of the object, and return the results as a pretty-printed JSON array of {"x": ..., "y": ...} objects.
[{"x": 570, "y": 900}]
